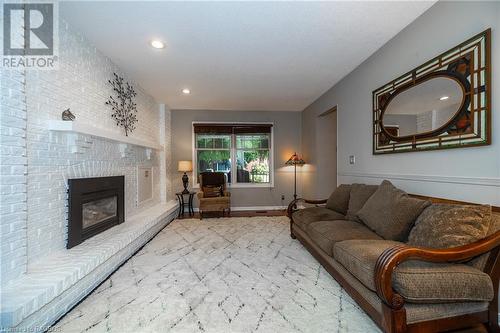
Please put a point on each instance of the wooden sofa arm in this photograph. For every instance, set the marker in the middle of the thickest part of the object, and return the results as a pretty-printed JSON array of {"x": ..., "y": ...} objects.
[
  {"x": 292, "y": 207},
  {"x": 393, "y": 256}
]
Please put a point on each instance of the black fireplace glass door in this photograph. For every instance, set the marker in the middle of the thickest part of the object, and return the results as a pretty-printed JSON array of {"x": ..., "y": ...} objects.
[
  {"x": 98, "y": 211},
  {"x": 94, "y": 205}
]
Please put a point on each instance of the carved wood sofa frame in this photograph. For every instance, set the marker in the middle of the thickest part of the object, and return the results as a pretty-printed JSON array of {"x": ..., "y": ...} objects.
[{"x": 393, "y": 317}]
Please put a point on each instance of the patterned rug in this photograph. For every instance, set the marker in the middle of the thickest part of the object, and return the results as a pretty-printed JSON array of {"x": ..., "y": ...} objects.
[{"x": 220, "y": 275}]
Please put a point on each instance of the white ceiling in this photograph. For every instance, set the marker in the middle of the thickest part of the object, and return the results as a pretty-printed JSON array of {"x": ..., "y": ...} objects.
[{"x": 240, "y": 55}]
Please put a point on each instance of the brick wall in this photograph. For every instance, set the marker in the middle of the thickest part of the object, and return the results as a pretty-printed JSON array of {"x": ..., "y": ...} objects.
[
  {"x": 13, "y": 176},
  {"x": 166, "y": 187},
  {"x": 36, "y": 162}
]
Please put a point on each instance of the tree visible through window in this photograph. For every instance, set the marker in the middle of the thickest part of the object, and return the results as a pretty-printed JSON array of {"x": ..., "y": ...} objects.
[
  {"x": 252, "y": 158},
  {"x": 248, "y": 155},
  {"x": 213, "y": 153}
]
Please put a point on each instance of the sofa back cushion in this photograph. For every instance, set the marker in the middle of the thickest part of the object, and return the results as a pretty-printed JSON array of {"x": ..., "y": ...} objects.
[
  {"x": 359, "y": 194},
  {"x": 450, "y": 225},
  {"x": 390, "y": 212},
  {"x": 339, "y": 199}
]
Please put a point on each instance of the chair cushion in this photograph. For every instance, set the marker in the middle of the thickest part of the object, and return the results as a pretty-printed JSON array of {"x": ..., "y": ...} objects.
[
  {"x": 390, "y": 212},
  {"x": 339, "y": 199},
  {"x": 303, "y": 217},
  {"x": 326, "y": 233},
  {"x": 416, "y": 281},
  {"x": 358, "y": 196},
  {"x": 446, "y": 225},
  {"x": 214, "y": 200},
  {"x": 211, "y": 191}
]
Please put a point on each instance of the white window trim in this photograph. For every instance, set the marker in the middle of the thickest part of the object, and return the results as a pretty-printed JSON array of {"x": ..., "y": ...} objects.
[{"x": 233, "y": 172}]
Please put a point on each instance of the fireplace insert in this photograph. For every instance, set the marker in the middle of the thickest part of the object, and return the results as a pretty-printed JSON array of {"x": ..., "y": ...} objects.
[{"x": 95, "y": 205}]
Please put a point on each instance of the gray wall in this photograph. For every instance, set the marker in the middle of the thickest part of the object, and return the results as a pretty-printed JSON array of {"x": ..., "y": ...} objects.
[
  {"x": 286, "y": 131},
  {"x": 471, "y": 174}
]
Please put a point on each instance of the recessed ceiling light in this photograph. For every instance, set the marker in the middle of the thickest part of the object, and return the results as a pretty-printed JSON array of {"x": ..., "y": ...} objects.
[
  {"x": 186, "y": 91},
  {"x": 444, "y": 98},
  {"x": 157, "y": 44}
]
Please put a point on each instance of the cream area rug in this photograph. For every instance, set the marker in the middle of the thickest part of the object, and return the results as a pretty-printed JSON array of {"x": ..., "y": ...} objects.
[{"x": 240, "y": 274}]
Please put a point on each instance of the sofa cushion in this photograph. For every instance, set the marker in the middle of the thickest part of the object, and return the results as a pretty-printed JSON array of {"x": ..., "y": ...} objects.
[
  {"x": 303, "y": 217},
  {"x": 326, "y": 233},
  {"x": 446, "y": 225},
  {"x": 416, "y": 281},
  {"x": 423, "y": 282},
  {"x": 359, "y": 194},
  {"x": 359, "y": 257},
  {"x": 339, "y": 199},
  {"x": 390, "y": 212}
]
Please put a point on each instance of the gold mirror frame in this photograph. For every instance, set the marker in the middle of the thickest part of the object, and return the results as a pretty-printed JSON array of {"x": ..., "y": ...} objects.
[{"x": 469, "y": 65}]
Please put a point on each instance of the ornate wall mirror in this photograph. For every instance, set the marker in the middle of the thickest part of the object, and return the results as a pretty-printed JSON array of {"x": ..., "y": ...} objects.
[{"x": 445, "y": 103}]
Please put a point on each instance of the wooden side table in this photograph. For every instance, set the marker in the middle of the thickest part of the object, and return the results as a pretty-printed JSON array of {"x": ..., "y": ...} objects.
[{"x": 183, "y": 203}]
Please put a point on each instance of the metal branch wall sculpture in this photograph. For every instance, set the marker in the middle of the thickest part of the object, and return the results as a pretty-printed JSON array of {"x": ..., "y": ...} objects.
[{"x": 123, "y": 105}]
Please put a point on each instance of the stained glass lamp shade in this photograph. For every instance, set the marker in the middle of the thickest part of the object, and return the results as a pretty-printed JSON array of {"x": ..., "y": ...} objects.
[{"x": 295, "y": 160}]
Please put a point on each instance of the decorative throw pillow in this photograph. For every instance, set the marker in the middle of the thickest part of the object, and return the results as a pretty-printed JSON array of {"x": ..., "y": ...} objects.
[
  {"x": 339, "y": 199},
  {"x": 357, "y": 198},
  {"x": 390, "y": 212},
  {"x": 444, "y": 225},
  {"x": 212, "y": 191}
]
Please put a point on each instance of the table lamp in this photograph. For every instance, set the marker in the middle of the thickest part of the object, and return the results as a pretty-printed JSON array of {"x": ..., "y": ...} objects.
[{"x": 185, "y": 166}]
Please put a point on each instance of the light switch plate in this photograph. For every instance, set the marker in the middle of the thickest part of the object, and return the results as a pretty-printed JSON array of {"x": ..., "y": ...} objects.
[{"x": 352, "y": 159}]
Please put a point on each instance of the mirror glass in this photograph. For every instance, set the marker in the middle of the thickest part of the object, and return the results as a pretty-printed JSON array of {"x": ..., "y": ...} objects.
[{"x": 424, "y": 107}]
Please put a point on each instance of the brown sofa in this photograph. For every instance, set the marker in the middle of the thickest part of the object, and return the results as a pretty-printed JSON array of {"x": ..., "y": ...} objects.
[{"x": 414, "y": 264}]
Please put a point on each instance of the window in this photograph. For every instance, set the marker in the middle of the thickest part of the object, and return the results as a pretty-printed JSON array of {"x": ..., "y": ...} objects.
[
  {"x": 243, "y": 150},
  {"x": 213, "y": 153},
  {"x": 252, "y": 158}
]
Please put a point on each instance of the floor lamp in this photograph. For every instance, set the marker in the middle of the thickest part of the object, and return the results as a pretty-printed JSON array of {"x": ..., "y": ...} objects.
[{"x": 295, "y": 160}]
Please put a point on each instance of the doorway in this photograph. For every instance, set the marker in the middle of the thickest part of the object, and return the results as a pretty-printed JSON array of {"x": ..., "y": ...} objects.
[{"x": 326, "y": 152}]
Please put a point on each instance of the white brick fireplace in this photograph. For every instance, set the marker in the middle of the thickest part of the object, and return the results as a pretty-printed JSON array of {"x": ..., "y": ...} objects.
[{"x": 40, "y": 279}]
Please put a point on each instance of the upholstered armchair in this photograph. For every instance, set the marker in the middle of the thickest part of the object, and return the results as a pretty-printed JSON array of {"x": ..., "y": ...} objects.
[{"x": 213, "y": 195}]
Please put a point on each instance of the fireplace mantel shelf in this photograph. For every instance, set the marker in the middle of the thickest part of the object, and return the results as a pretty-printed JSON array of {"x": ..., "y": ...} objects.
[{"x": 81, "y": 128}]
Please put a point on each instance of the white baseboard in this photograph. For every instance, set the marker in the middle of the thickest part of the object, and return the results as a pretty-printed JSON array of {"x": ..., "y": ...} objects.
[{"x": 246, "y": 208}]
